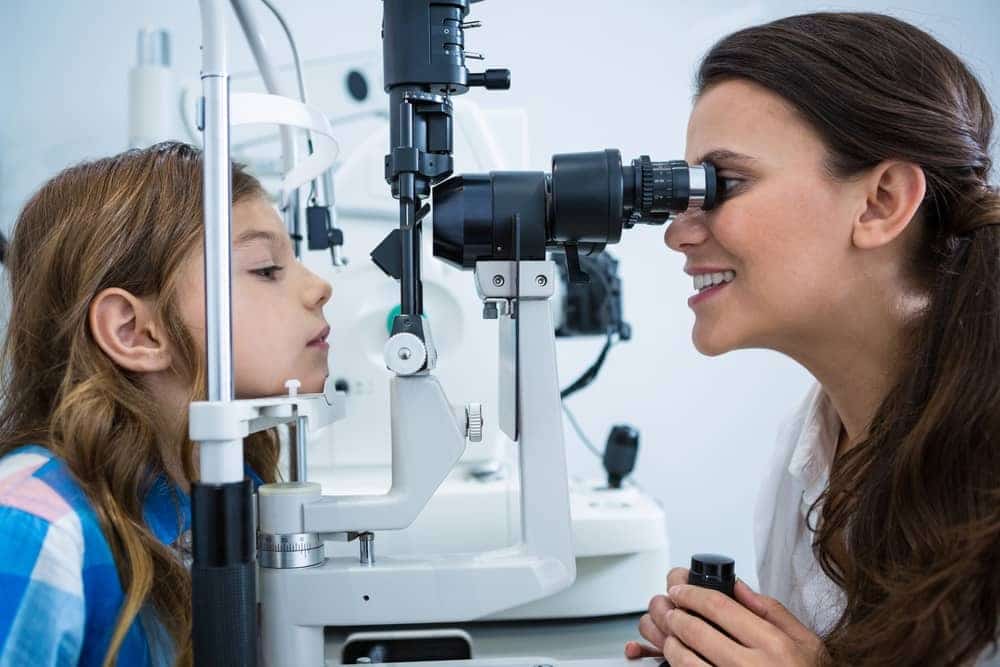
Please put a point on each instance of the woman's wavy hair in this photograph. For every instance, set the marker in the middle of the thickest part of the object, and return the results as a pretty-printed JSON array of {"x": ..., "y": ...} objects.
[
  {"x": 127, "y": 221},
  {"x": 909, "y": 525}
]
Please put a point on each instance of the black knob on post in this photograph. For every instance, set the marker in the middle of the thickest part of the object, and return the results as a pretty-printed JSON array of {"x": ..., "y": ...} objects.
[
  {"x": 620, "y": 453},
  {"x": 491, "y": 79}
]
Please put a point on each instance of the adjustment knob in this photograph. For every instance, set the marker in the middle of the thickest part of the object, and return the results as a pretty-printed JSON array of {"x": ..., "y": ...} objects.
[
  {"x": 646, "y": 166},
  {"x": 405, "y": 354},
  {"x": 474, "y": 422},
  {"x": 491, "y": 79}
]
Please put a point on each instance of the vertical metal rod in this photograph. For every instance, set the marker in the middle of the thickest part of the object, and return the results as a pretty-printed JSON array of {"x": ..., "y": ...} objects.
[
  {"x": 223, "y": 593},
  {"x": 407, "y": 283},
  {"x": 330, "y": 199},
  {"x": 418, "y": 287},
  {"x": 220, "y": 462},
  {"x": 407, "y": 215},
  {"x": 293, "y": 221},
  {"x": 218, "y": 220},
  {"x": 300, "y": 449},
  {"x": 275, "y": 86}
]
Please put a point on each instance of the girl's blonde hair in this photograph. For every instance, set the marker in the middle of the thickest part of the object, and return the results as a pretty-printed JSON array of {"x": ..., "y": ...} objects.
[{"x": 127, "y": 221}]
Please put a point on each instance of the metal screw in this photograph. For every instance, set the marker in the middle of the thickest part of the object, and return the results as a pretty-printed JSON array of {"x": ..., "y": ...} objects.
[
  {"x": 498, "y": 280},
  {"x": 404, "y": 353},
  {"x": 542, "y": 281}
]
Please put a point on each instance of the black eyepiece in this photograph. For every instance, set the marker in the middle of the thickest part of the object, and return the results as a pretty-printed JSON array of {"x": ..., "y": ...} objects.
[{"x": 585, "y": 202}]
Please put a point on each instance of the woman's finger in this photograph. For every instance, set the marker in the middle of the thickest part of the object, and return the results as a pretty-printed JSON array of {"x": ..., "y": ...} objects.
[
  {"x": 679, "y": 655},
  {"x": 634, "y": 650},
  {"x": 650, "y": 631},
  {"x": 676, "y": 576},
  {"x": 659, "y": 605},
  {"x": 701, "y": 637},
  {"x": 742, "y": 624},
  {"x": 773, "y": 612}
]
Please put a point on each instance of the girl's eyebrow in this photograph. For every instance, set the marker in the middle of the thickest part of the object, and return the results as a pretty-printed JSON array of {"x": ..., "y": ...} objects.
[
  {"x": 251, "y": 235},
  {"x": 278, "y": 242},
  {"x": 723, "y": 155}
]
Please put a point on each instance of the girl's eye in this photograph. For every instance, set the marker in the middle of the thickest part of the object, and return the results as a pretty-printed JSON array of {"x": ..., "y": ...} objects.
[{"x": 268, "y": 272}]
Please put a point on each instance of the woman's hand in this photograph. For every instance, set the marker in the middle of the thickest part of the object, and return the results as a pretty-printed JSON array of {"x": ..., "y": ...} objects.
[
  {"x": 761, "y": 631},
  {"x": 652, "y": 625}
]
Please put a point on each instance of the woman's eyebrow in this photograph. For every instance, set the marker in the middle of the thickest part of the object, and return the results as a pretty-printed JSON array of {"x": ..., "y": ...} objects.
[{"x": 723, "y": 155}]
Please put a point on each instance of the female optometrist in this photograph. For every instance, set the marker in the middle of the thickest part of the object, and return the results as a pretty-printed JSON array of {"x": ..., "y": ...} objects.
[{"x": 859, "y": 236}]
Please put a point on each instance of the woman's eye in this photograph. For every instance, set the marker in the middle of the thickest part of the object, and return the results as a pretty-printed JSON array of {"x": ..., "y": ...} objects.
[
  {"x": 268, "y": 272},
  {"x": 730, "y": 186}
]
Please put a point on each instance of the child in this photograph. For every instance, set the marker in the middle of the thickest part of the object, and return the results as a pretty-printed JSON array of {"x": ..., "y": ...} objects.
[{"x": 105, "y": 350}]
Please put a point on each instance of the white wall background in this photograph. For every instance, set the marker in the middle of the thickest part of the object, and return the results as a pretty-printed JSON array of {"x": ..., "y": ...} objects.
[{"x": 590, "y": 75}]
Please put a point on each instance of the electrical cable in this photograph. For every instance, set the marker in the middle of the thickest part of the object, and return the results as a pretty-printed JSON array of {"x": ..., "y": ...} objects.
[
  {"x": 596, "y": 452},
  {"x": 580, "y": 434},
  {"x": 590, "y": 374},
  {"x": 300, "y": 79},
  {"x": 291, "y": 44}
]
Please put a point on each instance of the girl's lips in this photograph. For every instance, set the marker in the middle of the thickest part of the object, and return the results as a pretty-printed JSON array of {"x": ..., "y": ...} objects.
[
  {"x": 320, "y": 340},
  {"x": 706, "y": 294}
]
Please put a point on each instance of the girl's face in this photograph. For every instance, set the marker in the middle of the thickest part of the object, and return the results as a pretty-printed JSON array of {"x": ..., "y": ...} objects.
[
  {"x": 783, "y": 229},
  {"x": 279, "y": 332}
]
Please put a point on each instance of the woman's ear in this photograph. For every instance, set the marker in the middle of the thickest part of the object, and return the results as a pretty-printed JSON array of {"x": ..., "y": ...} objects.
[
  {"x": 125, "y": 328},
  {"x": 893, "y": 192}
]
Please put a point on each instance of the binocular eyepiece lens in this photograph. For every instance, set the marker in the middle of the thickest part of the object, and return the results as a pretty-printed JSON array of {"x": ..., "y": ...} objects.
[{"x": 586, "y": 201}]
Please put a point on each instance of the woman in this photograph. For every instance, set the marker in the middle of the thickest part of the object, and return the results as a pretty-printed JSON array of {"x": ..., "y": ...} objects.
[{"x": 859, "y": 236}]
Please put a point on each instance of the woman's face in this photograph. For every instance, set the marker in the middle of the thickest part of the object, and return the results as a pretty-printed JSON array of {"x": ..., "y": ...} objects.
[
  {"x": 279, "y": 331},
  {"x": 783, "y": 230}
]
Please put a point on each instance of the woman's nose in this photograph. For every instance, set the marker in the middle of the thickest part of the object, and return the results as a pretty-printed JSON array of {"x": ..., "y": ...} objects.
[{"x": 686, "y": 229}]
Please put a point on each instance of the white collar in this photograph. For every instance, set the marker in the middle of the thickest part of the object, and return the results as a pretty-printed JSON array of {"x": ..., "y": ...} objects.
[{"x": 816, "y": 447}]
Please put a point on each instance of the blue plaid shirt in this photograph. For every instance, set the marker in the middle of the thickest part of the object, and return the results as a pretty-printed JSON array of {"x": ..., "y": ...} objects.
[{"x": 59, "y": 589}]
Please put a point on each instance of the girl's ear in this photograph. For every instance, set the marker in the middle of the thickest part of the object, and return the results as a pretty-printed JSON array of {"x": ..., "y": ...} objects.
[{"x": 125, "y": 328}]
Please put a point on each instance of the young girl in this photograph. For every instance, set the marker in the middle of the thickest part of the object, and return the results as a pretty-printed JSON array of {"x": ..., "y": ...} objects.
[
  {"x": 860, "y": 236},
  {"x": 104, "y": 352}
]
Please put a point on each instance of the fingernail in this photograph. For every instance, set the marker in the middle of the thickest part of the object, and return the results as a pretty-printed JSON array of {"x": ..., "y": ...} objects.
[{"x": 675, "y": 589}]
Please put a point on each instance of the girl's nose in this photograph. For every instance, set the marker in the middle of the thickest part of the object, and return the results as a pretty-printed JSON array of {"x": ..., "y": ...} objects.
[{"x": 319, "y": 291}]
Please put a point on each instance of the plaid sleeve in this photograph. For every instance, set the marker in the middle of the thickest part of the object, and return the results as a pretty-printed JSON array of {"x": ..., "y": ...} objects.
[{"x": 41, "y": 576}]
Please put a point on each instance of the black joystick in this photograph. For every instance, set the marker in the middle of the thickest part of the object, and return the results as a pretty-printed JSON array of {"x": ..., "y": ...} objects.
[
  {"x": 713, "y": 571},
  {"x": 619, "y": 454}
]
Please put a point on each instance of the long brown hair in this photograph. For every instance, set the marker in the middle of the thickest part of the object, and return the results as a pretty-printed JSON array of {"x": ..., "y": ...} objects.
[
  {"x": 909, "y": 525},
  {"x": 127, "y": 221}
]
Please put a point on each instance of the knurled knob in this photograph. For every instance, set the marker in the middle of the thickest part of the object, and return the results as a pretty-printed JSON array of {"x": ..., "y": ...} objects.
[
  {"x": 474, "y": 421},
  {"x": 647, "y": 182}
]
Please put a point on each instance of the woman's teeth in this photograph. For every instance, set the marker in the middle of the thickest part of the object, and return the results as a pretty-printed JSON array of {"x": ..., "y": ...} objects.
[{"x": 703, "y": 281}]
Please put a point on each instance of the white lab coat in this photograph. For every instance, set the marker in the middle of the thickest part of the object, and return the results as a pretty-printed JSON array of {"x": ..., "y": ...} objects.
[{"x": 787, "y": 568}]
